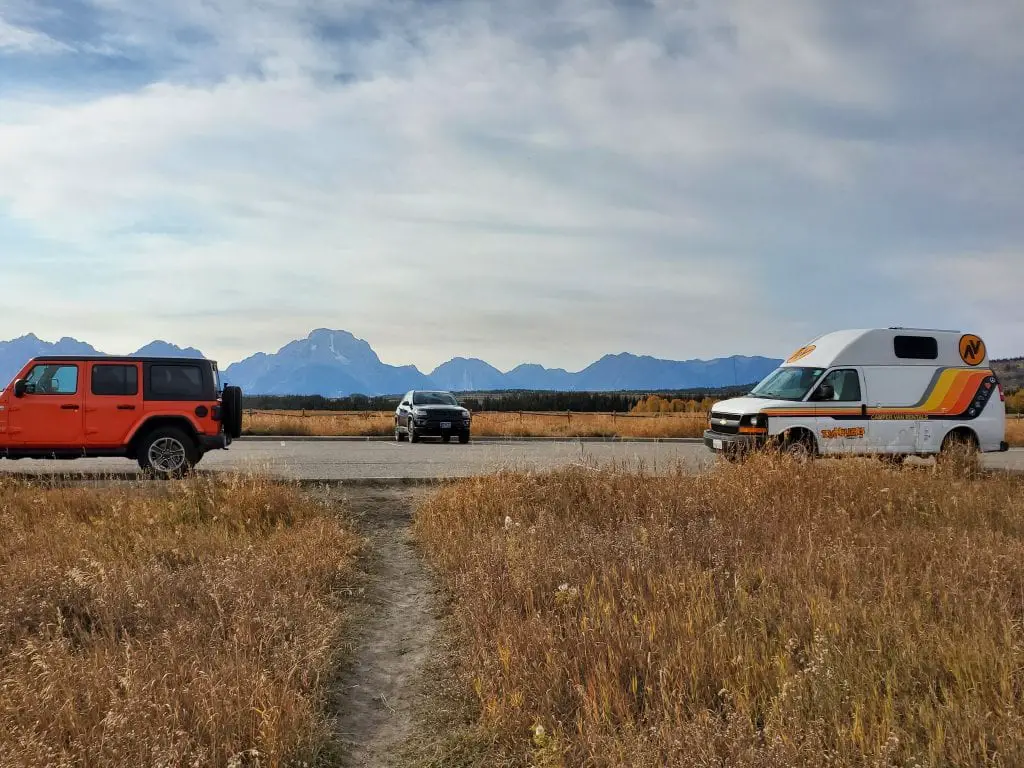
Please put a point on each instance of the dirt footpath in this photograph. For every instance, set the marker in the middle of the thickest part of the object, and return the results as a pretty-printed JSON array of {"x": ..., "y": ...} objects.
[{"x": 397, "y": 625}]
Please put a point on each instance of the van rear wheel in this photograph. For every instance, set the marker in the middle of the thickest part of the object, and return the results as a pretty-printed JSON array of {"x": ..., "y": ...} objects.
[{"x": 960, "y": 450}]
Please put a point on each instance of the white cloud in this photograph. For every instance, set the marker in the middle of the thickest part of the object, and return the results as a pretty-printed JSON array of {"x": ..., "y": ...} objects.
[
  {"x": 485, "y": 180},
  {"x": 15, "y": 39}
]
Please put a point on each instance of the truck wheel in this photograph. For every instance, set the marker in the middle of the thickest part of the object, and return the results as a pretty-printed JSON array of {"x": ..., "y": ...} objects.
[
  {"x": 399, "y": 435},
  {"x": 464, "y": 437},
  {"x": 413, "y": 437},
  {"x": 231, "y": 411},
  {"x": 168, "y": 453}
]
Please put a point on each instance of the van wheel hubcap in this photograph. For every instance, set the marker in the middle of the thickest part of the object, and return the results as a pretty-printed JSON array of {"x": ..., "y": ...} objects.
[
  {"x": 167, "y": 455},
  {"x": 798, "y": 450}
]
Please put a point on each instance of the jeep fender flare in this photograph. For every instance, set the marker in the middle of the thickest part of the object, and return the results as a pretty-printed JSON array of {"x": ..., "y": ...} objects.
[{"x": 163, "y": 419}]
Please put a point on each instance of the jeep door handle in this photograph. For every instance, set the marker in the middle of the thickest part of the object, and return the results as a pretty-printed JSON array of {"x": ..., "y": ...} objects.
[
  {"x": 69, "y": 407},
  {"x": 126, "y": 407}
]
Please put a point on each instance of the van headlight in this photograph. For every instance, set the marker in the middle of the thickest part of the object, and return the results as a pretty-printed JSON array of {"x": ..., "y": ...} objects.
[{"x": 755, "y": 420}]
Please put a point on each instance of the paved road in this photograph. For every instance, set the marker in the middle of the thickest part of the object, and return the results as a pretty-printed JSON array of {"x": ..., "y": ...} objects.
[
  {"x": 357, "y": 460},
  {"x": 362, "y": 460}
]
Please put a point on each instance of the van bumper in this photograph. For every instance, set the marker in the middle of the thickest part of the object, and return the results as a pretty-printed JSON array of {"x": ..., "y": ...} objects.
[{"x": 720, "y": 442}]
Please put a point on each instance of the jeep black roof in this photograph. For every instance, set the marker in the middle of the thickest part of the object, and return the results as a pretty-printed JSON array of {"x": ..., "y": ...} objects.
[{"x": 117, "y": 359}]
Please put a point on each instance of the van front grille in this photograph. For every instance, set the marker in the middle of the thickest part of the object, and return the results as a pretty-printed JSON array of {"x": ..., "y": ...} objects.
[{"x": 725, "y": 423}]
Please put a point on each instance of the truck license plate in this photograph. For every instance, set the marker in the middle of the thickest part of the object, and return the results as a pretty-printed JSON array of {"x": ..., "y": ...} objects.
[
  {"x": 717, "y": 444},
  {"x": 446, "y": 425}
]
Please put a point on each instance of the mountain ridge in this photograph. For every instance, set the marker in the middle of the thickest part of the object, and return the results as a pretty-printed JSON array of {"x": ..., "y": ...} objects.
[
  {"x": 337, "y": 363},
  {"x": 16, "y": 352}
]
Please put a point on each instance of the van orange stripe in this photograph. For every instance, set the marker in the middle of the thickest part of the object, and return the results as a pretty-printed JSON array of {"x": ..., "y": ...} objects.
[
  {"x": 952, "y": 394},
  {"x": 969, "y": 393},
  {"x": 955, "y": 394}
]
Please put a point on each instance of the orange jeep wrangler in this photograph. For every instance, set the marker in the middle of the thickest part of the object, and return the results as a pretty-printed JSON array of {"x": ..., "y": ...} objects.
[{"x": 163, "y": 412}]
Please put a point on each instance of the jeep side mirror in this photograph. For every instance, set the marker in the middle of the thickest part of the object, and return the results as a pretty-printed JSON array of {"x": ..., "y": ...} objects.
[{"x": 20, "y": 388}]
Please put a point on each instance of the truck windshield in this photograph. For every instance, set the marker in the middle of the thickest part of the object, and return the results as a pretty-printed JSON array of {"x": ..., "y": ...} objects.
[{"x": 788, "y": 383}]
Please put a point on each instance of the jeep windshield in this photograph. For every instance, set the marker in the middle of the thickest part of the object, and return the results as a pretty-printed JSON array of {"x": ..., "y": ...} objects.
[
  {"x": 433, "y": 398},
  {"x": 788, "y": 383}
]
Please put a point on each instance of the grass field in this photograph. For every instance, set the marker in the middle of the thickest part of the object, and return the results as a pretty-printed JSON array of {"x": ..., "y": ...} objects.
[
  {"x": 1015, "y": 431},
  {"x": 495, "y": 424},
  {"x": 188, "y": 624},
  {"x": 766, "y": 614},
  {"x": 485, "y": 424}
]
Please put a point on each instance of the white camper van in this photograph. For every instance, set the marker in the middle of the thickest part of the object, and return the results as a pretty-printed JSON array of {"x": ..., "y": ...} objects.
[{"x": 892, "y": 392}]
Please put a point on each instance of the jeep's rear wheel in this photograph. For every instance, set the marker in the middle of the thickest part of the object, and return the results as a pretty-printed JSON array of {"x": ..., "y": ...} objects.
[
  {"x": 168, "y": 453},
  {"x": 231, "y": 411}
]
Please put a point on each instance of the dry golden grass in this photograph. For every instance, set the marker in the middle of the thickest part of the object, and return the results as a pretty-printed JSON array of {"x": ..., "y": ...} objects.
[
  {"x": 1015, "y": 431},
  {"x": 318, "y": 423},
  {"x": 495, "y": 424},
  {"x": 190, "y": 624},
  {"x": 485, "y": 424},
  {"x": 765, "y": 614}
]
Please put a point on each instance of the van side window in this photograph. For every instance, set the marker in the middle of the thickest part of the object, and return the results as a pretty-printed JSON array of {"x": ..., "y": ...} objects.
[
  {"x": 916, "y": 347},
  {"x": 844, "y": 386}
]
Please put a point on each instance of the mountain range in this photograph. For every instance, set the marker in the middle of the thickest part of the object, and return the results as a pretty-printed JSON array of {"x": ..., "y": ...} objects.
[
  {"x": 336, "y": 363},
  {"x": 15, "y": 353}
]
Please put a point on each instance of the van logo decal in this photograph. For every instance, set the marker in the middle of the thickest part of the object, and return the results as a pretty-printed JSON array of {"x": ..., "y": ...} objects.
[
  {"x": 801, "y": 353},
  {"x": 840, "y": 432},
  {"x": 972, "y": 349}
]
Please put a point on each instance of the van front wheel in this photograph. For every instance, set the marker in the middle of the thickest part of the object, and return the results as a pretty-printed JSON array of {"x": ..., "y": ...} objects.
[{"x": 799, "y": 447}]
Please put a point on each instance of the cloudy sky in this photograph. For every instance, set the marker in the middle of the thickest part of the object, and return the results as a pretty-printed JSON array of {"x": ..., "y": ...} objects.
[{"x": 543, "y": 180}]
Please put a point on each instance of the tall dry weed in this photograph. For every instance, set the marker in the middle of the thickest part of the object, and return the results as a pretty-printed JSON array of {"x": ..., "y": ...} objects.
[
  {"x": 765, "y": 614},
  {"x": 190, "y": 624}
]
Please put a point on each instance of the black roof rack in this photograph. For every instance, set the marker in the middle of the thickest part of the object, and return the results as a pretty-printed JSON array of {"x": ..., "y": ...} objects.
[{"x": 117, "y": 359}]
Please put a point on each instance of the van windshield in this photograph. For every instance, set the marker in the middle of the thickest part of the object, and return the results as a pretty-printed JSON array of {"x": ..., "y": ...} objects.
[{"x": 788, "y": 383}]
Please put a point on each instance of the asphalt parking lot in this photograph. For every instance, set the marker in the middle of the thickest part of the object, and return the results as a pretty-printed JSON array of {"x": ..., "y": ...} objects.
[{"x": 362, "y": 460}]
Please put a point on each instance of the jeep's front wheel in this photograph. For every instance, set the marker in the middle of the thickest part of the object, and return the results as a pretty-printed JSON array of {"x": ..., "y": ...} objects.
[{"x": 168, "y": 453}]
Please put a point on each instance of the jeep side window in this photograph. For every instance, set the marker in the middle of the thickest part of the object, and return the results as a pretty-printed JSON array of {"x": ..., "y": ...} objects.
[
  {"x": 120, "y": 380},
  {"x": 177, "y": 381},
  {"x": 52, "y": 379}
]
